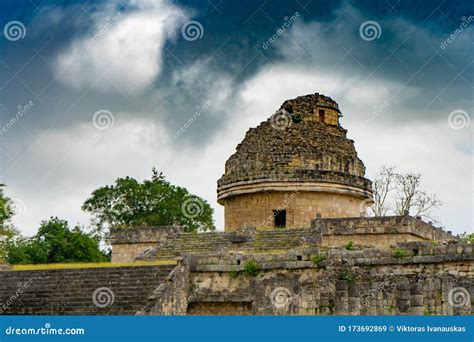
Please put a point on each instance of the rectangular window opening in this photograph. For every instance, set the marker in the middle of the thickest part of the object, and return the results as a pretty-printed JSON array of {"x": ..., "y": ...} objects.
[
  {"x": 280, "y": 218},
  {"x": 321, "y": 115}
]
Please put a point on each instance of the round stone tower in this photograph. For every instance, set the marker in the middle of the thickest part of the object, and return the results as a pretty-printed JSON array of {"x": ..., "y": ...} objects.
[{"x": 294, "y": 165}]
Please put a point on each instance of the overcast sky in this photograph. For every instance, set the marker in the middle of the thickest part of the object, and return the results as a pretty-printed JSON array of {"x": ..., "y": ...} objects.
[{"x": 93, "y": 91}]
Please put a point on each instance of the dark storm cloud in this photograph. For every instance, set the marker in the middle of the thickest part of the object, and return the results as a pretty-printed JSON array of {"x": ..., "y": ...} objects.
[{"x": 408, "y": 51}]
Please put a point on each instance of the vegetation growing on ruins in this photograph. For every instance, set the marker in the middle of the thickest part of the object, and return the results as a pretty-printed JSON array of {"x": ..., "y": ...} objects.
[
  {"x": 400, "y": 253},
  {"x": 347, "y": 275},
  {"x": 251, "y": 268},
  {"x": 316, "y": 259},
  {"x": 349, "y": 245}
]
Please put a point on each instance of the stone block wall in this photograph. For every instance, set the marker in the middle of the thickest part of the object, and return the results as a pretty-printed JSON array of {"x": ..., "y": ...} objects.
[
  {"x": 364, "y": 282},
  {"x": 242, "y": 241},
  {"x": 257, "y": 209},
  {"x": 382, "y": 232},
  {"x": 129, "y": 243},
  {"x": 309, "y": 106}
]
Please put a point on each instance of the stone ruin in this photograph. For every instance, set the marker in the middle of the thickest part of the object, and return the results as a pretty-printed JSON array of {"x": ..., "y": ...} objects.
[{"x": 296, "y": 242}]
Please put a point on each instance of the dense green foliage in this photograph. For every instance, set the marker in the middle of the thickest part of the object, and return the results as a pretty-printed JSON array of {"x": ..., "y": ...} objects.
[
  {"x": 8, "y": 233},
  {"x": 56, "y": 243},
  {"x": 154, "y": 202}
]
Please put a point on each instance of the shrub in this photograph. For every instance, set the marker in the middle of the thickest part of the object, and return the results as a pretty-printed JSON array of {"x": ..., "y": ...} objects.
[
  {"x": 316, "y": 259},
  {"x": 350, "y": 245},
  {"x": 251, "y": 268},
  {"x": 347, "y": 275},
  {"x": 399, "y": 253},
  {"x": 296, "y": 118}
]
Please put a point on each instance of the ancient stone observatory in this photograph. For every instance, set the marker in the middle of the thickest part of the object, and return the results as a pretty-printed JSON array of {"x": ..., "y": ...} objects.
[{"x": 297, "y": 163}]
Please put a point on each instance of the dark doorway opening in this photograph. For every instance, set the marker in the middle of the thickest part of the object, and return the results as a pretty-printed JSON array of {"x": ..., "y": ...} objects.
[
  {"x": 280, "y": 218},
  {"x": 321, "y": 115}
]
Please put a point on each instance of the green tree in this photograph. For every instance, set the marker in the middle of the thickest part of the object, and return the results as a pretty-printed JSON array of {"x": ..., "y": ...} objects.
[
  {"x": 56, "y": 243},
  {"x": 469, "y": 238},
  {"x": 154, "y": 202},
  {"x": 8, "y": 233}
]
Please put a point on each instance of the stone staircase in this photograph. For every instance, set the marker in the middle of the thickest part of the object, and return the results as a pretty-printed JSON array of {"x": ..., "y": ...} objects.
[
  {"x": 206, "y": 243},
  {"x": 71, "y": 291}
]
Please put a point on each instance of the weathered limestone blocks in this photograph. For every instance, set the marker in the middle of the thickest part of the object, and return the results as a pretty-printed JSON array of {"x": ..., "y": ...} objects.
[
  {"x": 129, "y": 243},
  {"x": 364, "y": 282},
  {"x": 245, "y": 240},
  {"x": 383, "y": 232},
  {"x": 305, "y": 167},
  {"x": 83, "y": 291},
  {"x": 4, "y": 266}
]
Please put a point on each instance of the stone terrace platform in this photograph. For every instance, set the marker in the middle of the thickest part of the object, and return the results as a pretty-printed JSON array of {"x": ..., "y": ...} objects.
[
  {"x": 168, "y": 242},
  {"x": 71, "y": 291}
]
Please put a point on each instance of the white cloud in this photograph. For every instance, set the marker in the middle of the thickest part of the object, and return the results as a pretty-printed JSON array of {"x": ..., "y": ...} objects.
[{"x": 123, "y": 50}]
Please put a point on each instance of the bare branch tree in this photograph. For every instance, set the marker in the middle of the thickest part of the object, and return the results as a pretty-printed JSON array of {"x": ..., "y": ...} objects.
[
  {"x": 412, "y": 200},
  {"x": 401, "y": 194},
  {"x": 383, "y": 184}
]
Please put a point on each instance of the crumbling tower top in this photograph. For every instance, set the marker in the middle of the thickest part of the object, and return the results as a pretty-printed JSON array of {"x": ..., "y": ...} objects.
[
  {"x": 314, "y": 107},
  {"x": 296, "y": 164}
]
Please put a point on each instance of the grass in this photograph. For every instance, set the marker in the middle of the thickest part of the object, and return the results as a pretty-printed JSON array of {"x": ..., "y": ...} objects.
[
  {"x": 400, "y": 253},
  {"x": 91, "y": 265}
]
